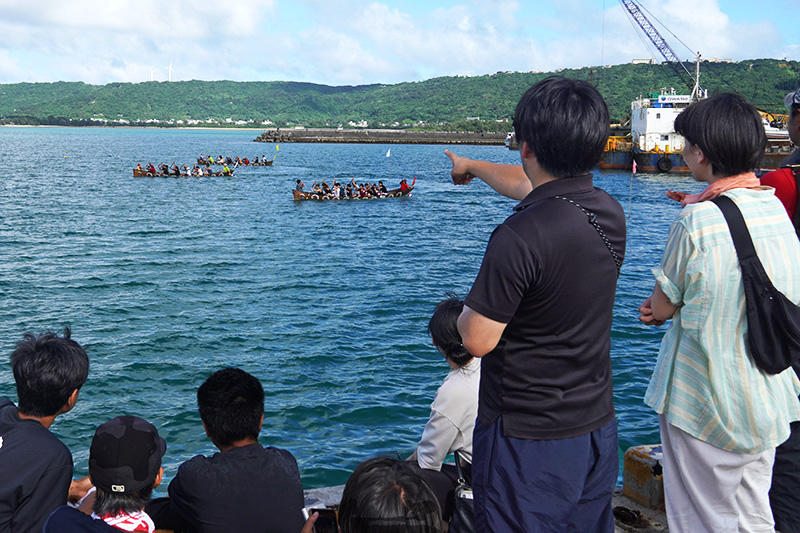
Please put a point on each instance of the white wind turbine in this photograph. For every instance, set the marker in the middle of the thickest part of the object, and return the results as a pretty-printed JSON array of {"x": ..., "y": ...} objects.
[
  {"x": 152, "y": 71},
  {"x": 170, "y": 70}
]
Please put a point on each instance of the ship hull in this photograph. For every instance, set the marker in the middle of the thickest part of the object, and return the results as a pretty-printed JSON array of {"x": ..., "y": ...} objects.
[{"x": 672, "y": 163}]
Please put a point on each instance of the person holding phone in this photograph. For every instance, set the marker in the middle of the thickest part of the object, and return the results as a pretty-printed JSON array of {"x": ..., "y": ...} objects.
[{"x": 454, "y": 408}]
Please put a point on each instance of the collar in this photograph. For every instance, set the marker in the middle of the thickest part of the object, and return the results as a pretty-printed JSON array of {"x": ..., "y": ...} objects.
[{"x": 560, "y": 186}]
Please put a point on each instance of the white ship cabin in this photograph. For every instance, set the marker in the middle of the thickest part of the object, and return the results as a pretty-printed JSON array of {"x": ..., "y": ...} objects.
[{"x": 653, "y": 121}]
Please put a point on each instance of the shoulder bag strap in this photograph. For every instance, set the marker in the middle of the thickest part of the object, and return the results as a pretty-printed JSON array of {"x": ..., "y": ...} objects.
[{"x": 736, "y": 224}]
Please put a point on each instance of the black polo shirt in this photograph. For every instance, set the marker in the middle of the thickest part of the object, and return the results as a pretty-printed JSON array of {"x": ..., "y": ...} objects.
[{"x": 549, "y": 275}]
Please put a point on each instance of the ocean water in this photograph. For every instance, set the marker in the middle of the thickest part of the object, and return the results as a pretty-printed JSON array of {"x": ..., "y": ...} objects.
[{"x": 327, "y": 303}]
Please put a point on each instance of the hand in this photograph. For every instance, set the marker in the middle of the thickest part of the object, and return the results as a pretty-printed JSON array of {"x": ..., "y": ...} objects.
[
  {"x": 78, "y": 488},
  {"x": 308, "y": 527},
  {"x": 646, "y": 314},
  {"x": 459, "y": 173},
  {"x": 676, "y": 195}
]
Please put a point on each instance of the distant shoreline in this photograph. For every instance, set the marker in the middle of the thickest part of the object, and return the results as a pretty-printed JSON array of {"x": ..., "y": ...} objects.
[{"x": 328, "y": 135}]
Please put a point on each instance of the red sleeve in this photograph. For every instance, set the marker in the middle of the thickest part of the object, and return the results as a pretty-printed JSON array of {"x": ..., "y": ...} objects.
[{"x": 785, "y": 188}]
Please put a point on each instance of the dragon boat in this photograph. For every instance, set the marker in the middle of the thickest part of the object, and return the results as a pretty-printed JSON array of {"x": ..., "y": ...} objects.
[
  {"x": 392, "y": 193},
  {"x": 204, "y": 162},
  {"x": 147, "y": 174}
]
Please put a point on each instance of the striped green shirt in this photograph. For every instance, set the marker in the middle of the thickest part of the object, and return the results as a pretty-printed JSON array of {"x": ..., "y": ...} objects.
[{"x": 705, "y": 381}]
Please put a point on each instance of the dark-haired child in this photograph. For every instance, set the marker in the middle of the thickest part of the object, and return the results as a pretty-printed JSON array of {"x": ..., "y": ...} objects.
[
  {"x": 36, "y": 467},
  {"x": 245, "y": 487},
  {"x": 454, "y": 408}
]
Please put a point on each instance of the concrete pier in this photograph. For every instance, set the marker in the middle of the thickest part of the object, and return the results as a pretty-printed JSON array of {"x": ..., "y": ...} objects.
[
  {"x": 375, "y": 136},
  {"x": 629, "y": 515}
]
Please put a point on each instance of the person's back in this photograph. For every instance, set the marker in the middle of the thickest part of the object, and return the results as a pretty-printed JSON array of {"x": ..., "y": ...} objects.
[
  {"x": 540, "y": 313},
  {"x": 243, "y": 488},
  {"x": 247, "y": 488},
  {"x": 36, "y": 467}
]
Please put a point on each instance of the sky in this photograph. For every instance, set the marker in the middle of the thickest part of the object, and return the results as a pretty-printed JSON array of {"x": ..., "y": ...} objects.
[{"x": 353, "y": 42}]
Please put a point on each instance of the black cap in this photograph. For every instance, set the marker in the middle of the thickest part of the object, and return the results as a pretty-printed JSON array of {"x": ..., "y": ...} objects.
[{"x": 125, "y": 455}]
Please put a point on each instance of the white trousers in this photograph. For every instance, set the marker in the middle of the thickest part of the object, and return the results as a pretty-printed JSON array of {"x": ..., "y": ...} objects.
[{"x": 710, "y": 490}]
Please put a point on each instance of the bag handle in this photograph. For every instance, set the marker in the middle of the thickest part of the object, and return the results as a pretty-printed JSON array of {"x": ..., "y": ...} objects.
[
  {"x": 458, "y": 457},
  {"x": 737, "y": 226}
]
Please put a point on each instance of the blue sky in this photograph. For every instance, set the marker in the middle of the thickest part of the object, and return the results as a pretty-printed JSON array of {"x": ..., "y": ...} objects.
[{"x": 353, "y": 42}]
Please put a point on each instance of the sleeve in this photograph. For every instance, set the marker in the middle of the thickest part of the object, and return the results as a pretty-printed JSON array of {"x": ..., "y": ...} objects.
[
  {"x": 506, "y": 273},
  {"x": 782, "y": 180},
  {"x": 437, "y": 438},
  {"x": 673, "y": 274}
]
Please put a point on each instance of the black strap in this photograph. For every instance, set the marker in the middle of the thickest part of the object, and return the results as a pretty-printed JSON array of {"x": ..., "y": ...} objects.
[
  {"x": 593, "y": 221},
  {"x": 737, "y": 226},
  {"x": 796, "y": 220},
  {"x": 458, "y": 455}
]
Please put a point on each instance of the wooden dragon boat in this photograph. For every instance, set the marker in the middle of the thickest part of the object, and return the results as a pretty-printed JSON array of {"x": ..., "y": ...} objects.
[
  {"x": 392, "y": 193},
  {"x": 147, "y": 174},
  {"x": 204, "y": 162}
]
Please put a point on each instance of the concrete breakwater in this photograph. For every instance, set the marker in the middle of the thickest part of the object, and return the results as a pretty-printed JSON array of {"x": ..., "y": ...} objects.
[{"x": 373, "y": 136}]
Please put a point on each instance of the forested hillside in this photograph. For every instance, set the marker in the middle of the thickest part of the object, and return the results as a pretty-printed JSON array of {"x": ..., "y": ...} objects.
[{"x": 439, "y": 103}]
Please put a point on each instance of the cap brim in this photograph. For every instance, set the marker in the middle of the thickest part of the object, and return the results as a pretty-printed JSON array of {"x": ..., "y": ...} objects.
[{"x": 789, "y": 100}]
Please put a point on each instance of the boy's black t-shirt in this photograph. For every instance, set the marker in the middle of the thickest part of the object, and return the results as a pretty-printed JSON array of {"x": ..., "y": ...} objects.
[
  {"x": 246, "y": 489},
  {"x": 36, "y": 472}
]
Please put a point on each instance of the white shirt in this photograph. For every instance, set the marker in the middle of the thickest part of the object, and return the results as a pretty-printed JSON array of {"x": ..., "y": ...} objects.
[{"x": 453, "y": 413}]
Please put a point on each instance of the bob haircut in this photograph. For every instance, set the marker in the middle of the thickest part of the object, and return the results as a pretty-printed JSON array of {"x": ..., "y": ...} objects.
[
  {"x": 231, "y": 404},
  {"x": 47, "y": 369},
  {"x": 565, "y": 123},
  {"x": 385, "y": 495},
  {"x": 443, "y": 328},
  {"x": 728, "y": 130}
]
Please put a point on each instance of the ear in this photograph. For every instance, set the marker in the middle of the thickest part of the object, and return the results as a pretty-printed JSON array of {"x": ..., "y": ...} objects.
[
  {"x": 160, "y": 475},
  {"x": 261, "y": 423},
  {"x": 206, "y": 430},
  {"x": 701, "y": 157},
  {"x": 525, "y": 151},
  {"x": 71, "y": 401}
]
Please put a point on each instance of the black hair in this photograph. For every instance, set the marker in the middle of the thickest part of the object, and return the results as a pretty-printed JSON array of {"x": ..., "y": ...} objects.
[
  {"x": 565, "y": 123},
  {"x": 386, "y": 495},
  {"x": 48, "y": 369},
  {"x": 231, "y": 404},
  {"x": 116, "y": 503},
  {"x": 794, "y": 110},
  {"x": 728, "y": 130},
  {"x": 443, "y": 328}
]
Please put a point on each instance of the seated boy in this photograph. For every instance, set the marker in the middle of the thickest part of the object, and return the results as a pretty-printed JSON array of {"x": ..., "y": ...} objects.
[
  {"x": 36, "y": 467},
  {"x": 243, "y": 488},
  {"x": 125, "y": 467}
]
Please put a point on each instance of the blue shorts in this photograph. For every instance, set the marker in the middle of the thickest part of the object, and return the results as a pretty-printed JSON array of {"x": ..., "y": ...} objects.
[{"x": 544, "y": 485}]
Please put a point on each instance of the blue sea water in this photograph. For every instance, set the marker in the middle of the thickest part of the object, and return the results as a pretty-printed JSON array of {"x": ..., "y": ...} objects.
[{"x": 166, "y": 280}]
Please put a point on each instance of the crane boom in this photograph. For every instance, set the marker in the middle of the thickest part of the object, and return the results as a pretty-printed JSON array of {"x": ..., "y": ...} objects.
[{"x": 669, "y": 55}]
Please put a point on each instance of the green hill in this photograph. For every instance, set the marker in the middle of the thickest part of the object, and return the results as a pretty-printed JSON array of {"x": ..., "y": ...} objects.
[{"x": 439, "y": 103}]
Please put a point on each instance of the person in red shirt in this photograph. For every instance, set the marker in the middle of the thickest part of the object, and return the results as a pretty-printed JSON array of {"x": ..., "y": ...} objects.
[
  {"x": 784, "y": 495},
  {"x": 783, "y": 179}
]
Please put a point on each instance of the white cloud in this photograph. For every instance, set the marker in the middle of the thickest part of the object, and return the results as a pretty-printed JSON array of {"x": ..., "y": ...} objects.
[{"x": 356, "y": 41}]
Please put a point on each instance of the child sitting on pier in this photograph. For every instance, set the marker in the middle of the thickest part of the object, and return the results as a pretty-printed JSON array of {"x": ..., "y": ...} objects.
[{"x": 245, "y": 487}]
